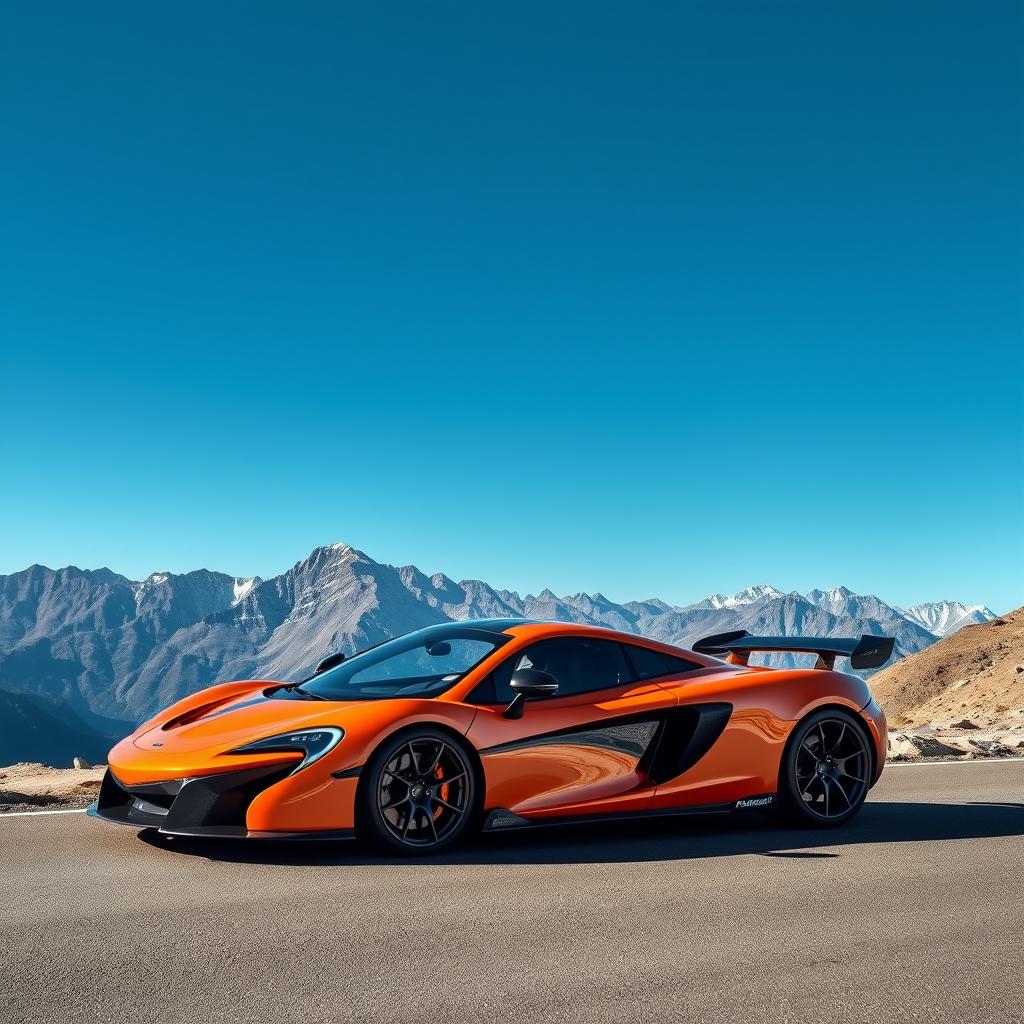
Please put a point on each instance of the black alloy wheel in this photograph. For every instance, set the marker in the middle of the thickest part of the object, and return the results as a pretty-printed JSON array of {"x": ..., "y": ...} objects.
[
  {"x": 826, "y": 774},
  {"x": 419, "y": 793}
]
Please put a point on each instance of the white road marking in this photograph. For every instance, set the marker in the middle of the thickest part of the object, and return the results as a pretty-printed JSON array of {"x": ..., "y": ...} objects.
[
  {"x": 28, "y": 814},
  {"x": 935, "y": 764}
]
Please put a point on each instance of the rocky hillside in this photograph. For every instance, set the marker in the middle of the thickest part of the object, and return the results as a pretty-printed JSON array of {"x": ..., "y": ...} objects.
[
  {"x": 976, "y": 674},
  {"x": 115, "y": 650}
]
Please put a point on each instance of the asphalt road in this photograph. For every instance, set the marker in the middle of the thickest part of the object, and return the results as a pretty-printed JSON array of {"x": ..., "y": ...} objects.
[{"x": 914, "y": 912}]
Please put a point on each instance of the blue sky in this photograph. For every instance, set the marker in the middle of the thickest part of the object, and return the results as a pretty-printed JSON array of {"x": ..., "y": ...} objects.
[{"x": 655, "y": 299}]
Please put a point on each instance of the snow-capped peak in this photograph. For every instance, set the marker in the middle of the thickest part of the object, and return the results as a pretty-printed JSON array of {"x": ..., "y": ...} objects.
[
  {"x": 833, "y": 600},
  {"x": 751, "y": 595},
  {"x": 143, "y": 587},
  {"x": 243, "y": 588},
  {"x": 945, "y": 617}
]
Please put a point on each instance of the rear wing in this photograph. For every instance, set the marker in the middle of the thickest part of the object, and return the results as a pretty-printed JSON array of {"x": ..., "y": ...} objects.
[{"x": 866, "y": 651}]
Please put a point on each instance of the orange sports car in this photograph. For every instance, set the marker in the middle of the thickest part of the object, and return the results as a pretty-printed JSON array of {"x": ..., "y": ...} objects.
[{"x": 507, "y": 724}]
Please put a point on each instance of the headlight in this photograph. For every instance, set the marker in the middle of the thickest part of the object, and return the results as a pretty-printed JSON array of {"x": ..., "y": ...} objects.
[{"x": 312, "y": 743}]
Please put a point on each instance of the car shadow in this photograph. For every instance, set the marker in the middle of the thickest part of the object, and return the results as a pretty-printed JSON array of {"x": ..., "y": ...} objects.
[{"x": 656, "y": 839}]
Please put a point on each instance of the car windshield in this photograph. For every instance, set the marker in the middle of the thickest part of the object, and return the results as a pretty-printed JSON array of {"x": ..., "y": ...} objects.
[{"x": 421, "y": 664}]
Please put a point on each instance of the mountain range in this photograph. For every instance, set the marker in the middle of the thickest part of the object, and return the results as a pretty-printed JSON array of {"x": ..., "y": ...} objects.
[
  {"x": 112, "y": 650},
  {"x": 945, "y": 617}
]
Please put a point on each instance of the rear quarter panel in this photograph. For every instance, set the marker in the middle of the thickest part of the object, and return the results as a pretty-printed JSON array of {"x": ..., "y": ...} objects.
[{"x": 766, "y": 705}]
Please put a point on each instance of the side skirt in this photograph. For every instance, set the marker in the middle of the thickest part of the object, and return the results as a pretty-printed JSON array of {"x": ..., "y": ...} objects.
[{"x": 502, "y": 820}]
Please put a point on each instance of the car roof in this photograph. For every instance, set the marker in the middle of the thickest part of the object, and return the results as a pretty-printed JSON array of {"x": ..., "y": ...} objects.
[
  {"x": 538, "y": 626},
  {"x": 537, "y": 629},
  {"x": 495, "y": 625}
]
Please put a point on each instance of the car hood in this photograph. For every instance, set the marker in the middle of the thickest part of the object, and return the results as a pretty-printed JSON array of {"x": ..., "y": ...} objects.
[{"x": 223, "y": 725}]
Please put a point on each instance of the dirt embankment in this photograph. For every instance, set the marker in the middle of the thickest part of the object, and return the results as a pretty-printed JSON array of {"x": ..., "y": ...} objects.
[
  {"x": 27, "y": 787},
  {"x": 975, "y": 676},
  {"x": 955, "y": 744}
]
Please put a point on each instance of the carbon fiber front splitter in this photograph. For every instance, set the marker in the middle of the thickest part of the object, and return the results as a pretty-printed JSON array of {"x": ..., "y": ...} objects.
[{"x": 206, "y": 807}]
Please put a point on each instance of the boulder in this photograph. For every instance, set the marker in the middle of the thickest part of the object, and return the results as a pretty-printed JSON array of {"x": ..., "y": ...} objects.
[
  {"x": 910, "y": 746},
  {"x": 991, "y": 748}
]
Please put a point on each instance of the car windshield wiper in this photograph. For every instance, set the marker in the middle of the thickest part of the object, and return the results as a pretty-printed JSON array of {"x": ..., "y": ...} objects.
[{"x": 297, "y": 687}]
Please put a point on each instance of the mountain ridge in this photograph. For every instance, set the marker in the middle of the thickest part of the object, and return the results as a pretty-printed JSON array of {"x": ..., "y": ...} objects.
[
  {"x": 116, "y": 650},
  {"x": 944, "y": 618}
]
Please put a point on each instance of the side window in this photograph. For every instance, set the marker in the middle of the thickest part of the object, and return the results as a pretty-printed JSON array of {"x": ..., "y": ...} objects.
[
  {"x": 650, "y": 664},
  {"x": 677, "y": 665},
  {"x": 578, "y": 663},
  {"x": 646, "y": 663}
]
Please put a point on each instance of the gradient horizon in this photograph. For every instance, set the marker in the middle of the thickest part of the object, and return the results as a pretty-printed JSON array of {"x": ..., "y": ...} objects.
[{"x": 658, "y": 302}]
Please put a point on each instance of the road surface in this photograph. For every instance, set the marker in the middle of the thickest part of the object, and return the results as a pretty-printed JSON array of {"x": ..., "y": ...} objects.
[{"x": 914, "y": 912}]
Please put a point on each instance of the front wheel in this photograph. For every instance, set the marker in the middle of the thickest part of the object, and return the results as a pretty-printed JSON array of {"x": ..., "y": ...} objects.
[
  {"x": 418, "y": 793},
  {"x": 825, "y": 773}
]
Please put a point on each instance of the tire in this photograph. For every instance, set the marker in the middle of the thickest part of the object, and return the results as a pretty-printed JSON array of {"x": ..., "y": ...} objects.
[
  {"x": 826, "y": 770},
  {"x": 418, "y": 793}
]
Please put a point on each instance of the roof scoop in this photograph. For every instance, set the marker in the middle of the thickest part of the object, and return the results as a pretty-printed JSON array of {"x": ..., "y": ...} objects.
[{"x": 331, "y": 661}]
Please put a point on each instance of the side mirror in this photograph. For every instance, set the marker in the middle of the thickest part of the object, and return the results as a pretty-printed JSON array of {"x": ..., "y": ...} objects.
[
  {"x": 529, "y": 682},
  {"x": 439, "y": 650},
  {"x": 331, "y": 661}
]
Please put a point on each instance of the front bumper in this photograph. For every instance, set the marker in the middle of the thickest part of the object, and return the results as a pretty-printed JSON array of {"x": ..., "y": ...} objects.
[{"x": 210, "y": 806}]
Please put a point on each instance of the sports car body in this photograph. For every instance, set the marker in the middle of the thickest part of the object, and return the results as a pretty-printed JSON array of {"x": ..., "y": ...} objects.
[{"x": 508, "y": 724}]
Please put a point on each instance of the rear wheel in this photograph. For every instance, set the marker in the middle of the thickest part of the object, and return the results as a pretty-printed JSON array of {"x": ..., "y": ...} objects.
[
  {"x": 418, "y": 793},
  {"x": 826, "y": 771}
]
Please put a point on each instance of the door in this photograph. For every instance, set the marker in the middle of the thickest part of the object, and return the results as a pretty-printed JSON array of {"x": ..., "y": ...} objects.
[{"x": 580, "y": 751}]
